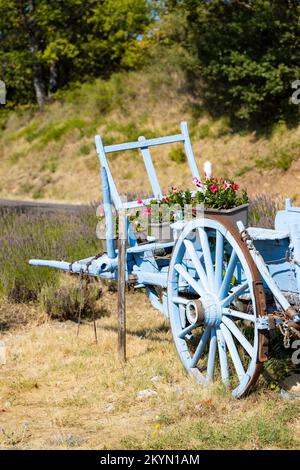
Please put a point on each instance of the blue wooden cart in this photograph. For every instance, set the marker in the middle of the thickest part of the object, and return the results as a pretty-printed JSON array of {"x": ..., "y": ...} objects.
[{"x": 223, "y": 287}]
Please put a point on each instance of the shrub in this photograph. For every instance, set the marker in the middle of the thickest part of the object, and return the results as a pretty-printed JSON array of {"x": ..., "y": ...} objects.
[
  {"x": 177, "y": 155},
  {"x": 58, "y": 235},
  {"x": 262, "y": 210},
  {"x": 72, "y": 302}
]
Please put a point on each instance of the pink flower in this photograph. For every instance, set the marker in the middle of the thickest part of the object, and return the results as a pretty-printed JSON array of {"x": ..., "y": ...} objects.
[
  {"x": 194, "y": 211},
  {"x": 174, "y": 189},
  {"x": 146, "y": 211},
  {"x": 227, "y": 185},
  {"x": 139, "y": 201},
  {"x": 197, "y": 182},
  {"x": 213, "y": 188},
  {"x": 235, "y": 187}
]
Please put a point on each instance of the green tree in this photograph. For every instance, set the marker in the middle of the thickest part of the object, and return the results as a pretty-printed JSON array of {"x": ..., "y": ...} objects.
[
  {"x": 247, "y": 54},
  {"x": 45, "y": 44}
]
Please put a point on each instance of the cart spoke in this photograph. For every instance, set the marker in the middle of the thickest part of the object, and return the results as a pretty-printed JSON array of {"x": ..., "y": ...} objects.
[
  {"x": 223, "y": 357},
  {"x": 238, "y": 290},
  {"x": 180, "y": 300},
  {"x": 194, "y": 284},
  {"x": 233, "y": 352},
  {"x": 237, "y": 314},
  {"x": 187, "y": 330},
  {"x": 211, "y": 355},
  {"x": 200, "y": 348},
  {"x": 197, "y": 264},
  {"x": 219, "y": 259},
  {"x": 228, "y": 276},
  {"x": 239, "y": 336},
  {"x": 207, "y": 257}
]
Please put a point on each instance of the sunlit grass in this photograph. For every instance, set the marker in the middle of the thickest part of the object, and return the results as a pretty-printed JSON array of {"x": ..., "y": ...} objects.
[{"x": 68, "y": 392}]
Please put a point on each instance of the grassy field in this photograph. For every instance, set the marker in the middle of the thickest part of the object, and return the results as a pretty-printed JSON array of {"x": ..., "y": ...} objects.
[
  {"x": 61, "y": 391},
  {"x": 45, "y": 156}
]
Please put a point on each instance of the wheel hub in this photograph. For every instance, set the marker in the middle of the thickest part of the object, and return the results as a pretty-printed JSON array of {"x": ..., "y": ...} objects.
[
  {"x": 206, "y": 310},
  {"x": 212, "y": 309}
]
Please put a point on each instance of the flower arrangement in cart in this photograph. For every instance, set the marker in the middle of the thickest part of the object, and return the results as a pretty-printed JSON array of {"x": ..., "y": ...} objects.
[{"x": 209, "y": 193}]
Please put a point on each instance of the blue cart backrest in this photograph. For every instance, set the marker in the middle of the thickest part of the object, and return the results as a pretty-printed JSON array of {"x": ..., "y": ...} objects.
[{"x": 143, "y": 145}]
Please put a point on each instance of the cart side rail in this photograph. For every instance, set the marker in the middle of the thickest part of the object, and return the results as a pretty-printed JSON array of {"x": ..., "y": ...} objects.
[{"x": 143, "y": 145}]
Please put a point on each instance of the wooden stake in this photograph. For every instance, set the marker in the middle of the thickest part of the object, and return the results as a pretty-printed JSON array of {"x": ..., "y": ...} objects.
[{"x": 121, "y": 288}]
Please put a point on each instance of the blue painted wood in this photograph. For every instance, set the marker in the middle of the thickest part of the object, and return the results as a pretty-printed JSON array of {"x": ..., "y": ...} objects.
[
  {"x": 155, "y": 301},
  {"x": 197, "y": 267},
  {"x": 189, "y": 150},
  {"x": 217, "y": 332},
  {"x": 157, "y": 193},
  {"x": 274, "y": 247},
  {"x": 109, "y": 220},
  {"x": 144, "y": 144},
  {"x": 295, "y": 237},
  {"x": 103, "y": 162},
  {"x": 150, "y": 247}
]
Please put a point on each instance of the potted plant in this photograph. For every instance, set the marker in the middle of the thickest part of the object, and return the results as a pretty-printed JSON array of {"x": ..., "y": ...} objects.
[
  {"x": 215, "y": 197},
  {"x": 222, "y": 197}
]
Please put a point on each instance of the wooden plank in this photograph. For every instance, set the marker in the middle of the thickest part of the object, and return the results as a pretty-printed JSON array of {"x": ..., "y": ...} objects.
[
  {"x": 103, "y": 162},
  {"x": 189, "y": 151},
  {"x": 150, "y": 170},
  {"x": 122, "y": 287},
  {"x": 146, "y": 143}
]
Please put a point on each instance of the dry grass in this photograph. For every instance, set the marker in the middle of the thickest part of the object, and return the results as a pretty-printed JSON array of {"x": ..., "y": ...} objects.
[
  {"x": 45, "y": 156},
  {"x": 58, "y": 390}
]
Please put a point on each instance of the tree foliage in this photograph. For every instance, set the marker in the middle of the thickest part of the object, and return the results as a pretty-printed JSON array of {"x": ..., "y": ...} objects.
[
  {"x": 45, "y": 44},
  {"x": 240, "y": 56},
  {"x": 247, "y": 54}
]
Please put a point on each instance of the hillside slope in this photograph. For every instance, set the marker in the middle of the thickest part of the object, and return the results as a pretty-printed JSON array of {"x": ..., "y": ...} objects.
[{"x": 51, "y": 156}]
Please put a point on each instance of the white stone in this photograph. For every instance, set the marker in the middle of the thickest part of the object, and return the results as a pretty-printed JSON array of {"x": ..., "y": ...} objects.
[
  {"x": 109, "y": 408},
  {"x": 146, "y": 393},
  {"x": 156, "y": 379}
]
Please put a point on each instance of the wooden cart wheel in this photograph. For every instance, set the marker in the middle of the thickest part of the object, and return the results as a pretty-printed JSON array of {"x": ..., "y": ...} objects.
[{"x": 215, "y": 296}]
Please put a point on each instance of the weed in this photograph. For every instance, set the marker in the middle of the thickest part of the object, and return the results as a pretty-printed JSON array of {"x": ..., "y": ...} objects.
[
  {"x": 51, "y": 164},
  {"x": 68, "y": 440},
  {"x": 15, "y": 157},
  {"x": 85, "y": 149},
  {"x": 281, "y": 158},
  {"x": 70, "y": 302},
  {"x": 38, "y": 194},
  {"x": 243, "y": 170},
  {"x": 177, "y": 155}
]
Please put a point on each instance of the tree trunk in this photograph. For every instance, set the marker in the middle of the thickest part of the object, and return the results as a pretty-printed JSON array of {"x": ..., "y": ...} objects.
[
  {"x": 39, "y": 86},
  {"x": 52, "y": 87},
  {"x": 37, "y": 69}
]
